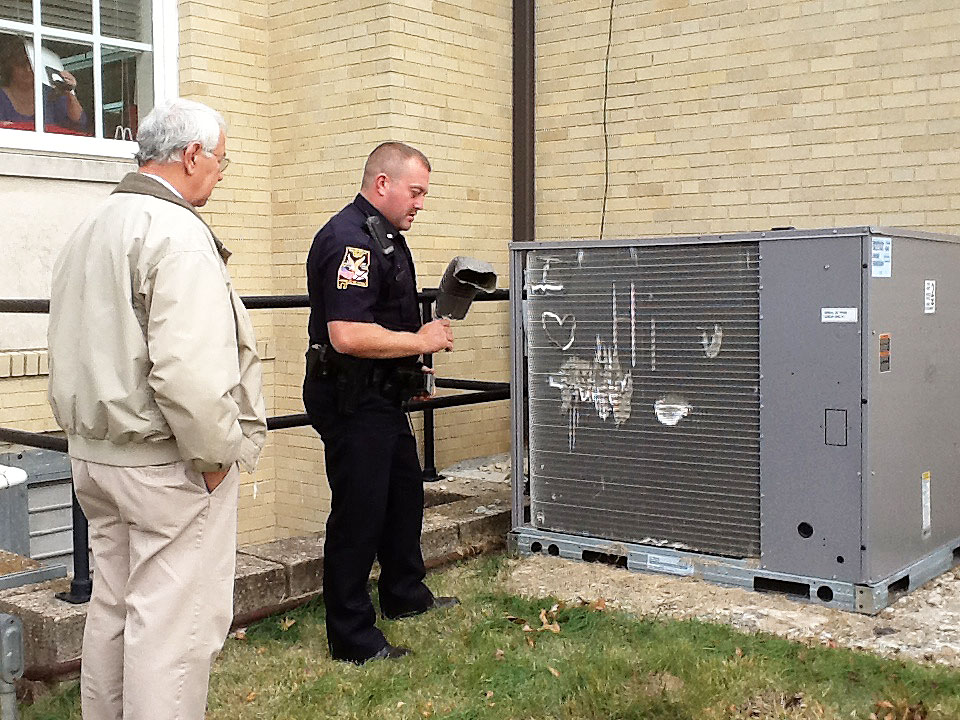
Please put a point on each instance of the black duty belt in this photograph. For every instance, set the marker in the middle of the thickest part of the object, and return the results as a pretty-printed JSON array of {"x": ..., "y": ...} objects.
[{"x": 395, "y": 380}]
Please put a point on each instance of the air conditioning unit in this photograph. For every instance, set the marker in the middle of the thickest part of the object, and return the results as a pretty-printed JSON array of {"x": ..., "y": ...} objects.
[{"x": 776, "y": 410}]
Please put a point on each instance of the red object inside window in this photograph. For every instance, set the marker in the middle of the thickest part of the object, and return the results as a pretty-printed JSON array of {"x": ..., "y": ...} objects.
[{"x": 49, "y": 127}]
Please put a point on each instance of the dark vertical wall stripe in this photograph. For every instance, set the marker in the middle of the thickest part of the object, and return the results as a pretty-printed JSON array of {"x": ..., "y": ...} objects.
[{"x": 523, "y": 119}]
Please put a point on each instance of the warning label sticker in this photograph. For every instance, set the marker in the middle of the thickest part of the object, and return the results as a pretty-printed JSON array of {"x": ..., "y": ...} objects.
[
  {"x": 838, "y": 315},
  {"x": 929, "y": 296},
  {"x": 881, "y": 263},
  {"x": 885, "y": 352}
]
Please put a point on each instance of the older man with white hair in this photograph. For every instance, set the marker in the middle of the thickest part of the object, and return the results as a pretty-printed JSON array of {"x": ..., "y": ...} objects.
[{"x": 155, "y": 379}]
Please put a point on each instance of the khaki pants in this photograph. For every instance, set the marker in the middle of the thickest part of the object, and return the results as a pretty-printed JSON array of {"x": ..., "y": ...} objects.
[{"x": 164, "y": 556}]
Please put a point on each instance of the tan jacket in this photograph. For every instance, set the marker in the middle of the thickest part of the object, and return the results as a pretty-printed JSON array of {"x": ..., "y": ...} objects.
[{"x": 152, "y": 355}]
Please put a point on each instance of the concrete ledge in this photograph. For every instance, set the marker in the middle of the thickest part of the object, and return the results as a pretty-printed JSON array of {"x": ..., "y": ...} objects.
[
  {"x": 302, "y": 561},
  {"x": 52, "y": 629},
  {"x": 466, "y": 514},
  {"x": 257, "y": 583}
]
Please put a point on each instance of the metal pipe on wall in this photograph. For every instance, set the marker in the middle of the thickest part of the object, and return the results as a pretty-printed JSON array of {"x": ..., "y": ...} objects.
[
  {"x": 524, "y": 200},
  {"x": 524, "y": 85}
]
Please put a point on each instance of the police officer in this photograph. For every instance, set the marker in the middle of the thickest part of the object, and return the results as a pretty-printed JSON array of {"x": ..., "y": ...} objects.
[{"x": 365, "y": 341}]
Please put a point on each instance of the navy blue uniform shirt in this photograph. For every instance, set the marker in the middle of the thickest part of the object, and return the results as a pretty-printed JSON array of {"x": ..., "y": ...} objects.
[{"x": 350, "y": 278}]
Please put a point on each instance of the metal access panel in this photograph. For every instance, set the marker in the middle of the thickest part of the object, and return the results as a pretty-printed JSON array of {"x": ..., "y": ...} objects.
[
  {"x": 811, "y": 452},
  {"x": 911, "y": 370},
  {"x": 770, "y": 409}
]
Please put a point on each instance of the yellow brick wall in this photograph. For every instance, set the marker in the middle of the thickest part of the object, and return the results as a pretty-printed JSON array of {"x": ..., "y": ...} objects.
[
  {"x": 308, "y": 89},
  {"x": 23, "y": 403},
  {"x": 223, "y": 62},
  {"x": 454, "y": 102},
  {"x": 723, "y": 115},
  {"x": 345, "y": 77},
  {"x": 326, "y": 82},
  {"x": 734, "y": 115}
]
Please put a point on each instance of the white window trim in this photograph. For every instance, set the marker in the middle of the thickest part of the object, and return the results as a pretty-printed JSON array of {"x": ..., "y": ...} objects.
[{"x": 165, "y": 85}]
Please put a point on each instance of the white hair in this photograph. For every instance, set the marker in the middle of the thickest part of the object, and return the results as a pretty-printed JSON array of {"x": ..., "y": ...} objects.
[{"x": 172, "y": 125}]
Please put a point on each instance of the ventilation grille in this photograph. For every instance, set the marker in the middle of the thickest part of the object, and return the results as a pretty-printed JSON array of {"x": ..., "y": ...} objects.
[{"x": 644, "y": 408}]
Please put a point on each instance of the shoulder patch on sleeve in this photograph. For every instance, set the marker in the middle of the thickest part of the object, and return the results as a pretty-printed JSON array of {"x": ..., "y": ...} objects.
[{"x": 354, "y": 268}]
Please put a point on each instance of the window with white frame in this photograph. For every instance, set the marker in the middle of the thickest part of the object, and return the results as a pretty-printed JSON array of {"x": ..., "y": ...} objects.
[{"x": 77, "y": 75}]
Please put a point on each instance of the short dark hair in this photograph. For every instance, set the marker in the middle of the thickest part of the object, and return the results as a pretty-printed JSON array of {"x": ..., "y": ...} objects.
[{"x": 387, "y": 158}]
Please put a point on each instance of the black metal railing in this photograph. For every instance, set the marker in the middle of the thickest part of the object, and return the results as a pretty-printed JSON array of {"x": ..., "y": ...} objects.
[{"x": 479, "y": 391}]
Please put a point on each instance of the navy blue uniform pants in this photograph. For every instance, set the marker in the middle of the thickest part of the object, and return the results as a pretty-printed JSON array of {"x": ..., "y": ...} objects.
[{"x": 376, "y": 512}]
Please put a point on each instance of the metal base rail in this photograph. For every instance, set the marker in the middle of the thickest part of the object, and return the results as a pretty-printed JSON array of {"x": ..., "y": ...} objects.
[
  {"x": 865, "y": 598},
  {"x": 480, "y": 392}
]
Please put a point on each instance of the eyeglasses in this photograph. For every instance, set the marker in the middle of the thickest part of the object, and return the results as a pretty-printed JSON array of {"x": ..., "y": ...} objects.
[{"x": 221, "y": 162}]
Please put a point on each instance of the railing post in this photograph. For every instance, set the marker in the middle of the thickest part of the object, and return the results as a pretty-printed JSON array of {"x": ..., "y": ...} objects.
[
  {"x": 81, "y": 585},
  {"x": 429, "y": 463}
]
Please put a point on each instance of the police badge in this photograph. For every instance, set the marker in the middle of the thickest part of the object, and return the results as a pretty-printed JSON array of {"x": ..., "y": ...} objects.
[{"x": 354, "y": 269}]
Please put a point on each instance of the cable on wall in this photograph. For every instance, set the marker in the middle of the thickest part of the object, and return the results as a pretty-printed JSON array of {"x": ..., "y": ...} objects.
[{"x": 606, "y": 136}]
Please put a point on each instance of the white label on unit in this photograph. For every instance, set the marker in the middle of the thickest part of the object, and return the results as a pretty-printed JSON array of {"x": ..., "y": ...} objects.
[
  {"x": 838, "y": 315},
  {"x": 925, "y": 501},
  {"x": 882, "y": 260},
  {"x": 669, "y": 564},
  {"x": 929, "y": 296}
]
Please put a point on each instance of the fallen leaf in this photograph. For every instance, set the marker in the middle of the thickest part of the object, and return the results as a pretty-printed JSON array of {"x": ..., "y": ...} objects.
[
  {"x": 530, "y": 641},
  {"x": 599, "y": 604},
  {"x": 499, "y": 654},
  {"x": 738, "y": 652},
  {"x": 287, "y": 623},
  {"x": 527, "y": 628},
  {"x": 489, "y": 694},
  {"x": 515, "y": 620},
  {"x": 553, "y": 671},
  {"x": 400, "y": 704},
  {"x": 547, "y": 625},
  {"x": 240, "y": 634},
  {"x": 251, "y": 696}
]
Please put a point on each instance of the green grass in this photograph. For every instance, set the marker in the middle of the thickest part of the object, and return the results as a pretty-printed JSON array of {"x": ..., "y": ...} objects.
[{"x": 472, "y": 663}]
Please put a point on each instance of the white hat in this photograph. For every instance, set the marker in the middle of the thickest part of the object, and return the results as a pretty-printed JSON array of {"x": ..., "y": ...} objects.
[{"x": 49, "y": 60}]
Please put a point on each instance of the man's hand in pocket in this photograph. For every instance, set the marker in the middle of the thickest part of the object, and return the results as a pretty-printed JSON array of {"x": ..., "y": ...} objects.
[{"x": 213, "y": 479}]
